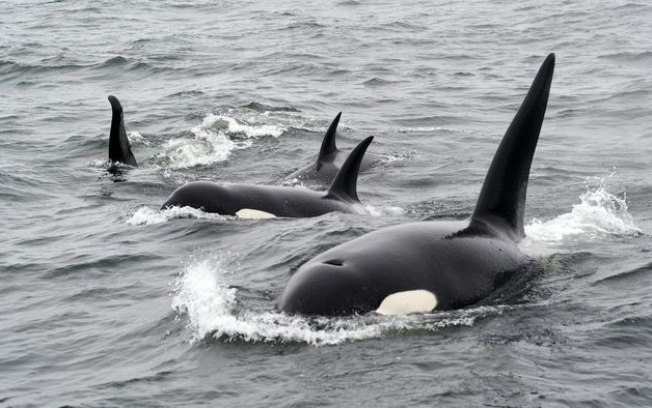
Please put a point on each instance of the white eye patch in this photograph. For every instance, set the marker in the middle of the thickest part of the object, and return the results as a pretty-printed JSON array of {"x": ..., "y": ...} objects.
[
  {"x": 249, "y": 214},
  {"x": 411, "y": 301}
]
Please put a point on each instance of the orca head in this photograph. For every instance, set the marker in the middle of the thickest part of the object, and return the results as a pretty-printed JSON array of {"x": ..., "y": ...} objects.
[
  {"x": 201, "y": 195},
  {"x": 328, "y": 288}
]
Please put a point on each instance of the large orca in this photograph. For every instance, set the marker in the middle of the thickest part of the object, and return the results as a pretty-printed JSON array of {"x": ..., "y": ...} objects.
[
  {"x": 423, "y": 266},
  {"x": 119, "y": 148},
  {"x": 329, "y": 161},
  {"x": 254, "y": 201}
]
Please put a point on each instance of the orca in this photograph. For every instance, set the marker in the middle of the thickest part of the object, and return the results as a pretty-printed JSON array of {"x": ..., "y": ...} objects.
[
  {"x": 436, "y": 265},
  {"x": 255, "y": 201},
  {"x": 329, "y": 161},
  {"x": 119, "y": 147}
]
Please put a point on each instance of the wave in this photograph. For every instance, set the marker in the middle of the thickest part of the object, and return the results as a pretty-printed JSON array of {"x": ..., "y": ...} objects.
[
  {"x": 598, "y": 214},
  {"x": 214, "y": 311}
]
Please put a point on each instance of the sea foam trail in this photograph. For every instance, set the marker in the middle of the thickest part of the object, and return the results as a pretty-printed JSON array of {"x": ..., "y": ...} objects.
[
  {"x": 213, "y": 311},
  {"x": 214, "y": 140}
]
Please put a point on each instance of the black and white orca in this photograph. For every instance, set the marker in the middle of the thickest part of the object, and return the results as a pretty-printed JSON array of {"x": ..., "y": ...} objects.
[
  {"x": 255, "y": 201},
  {"x": 119, "y": 147},
  {"x": 329, "y": 161},
  {"x": 438, "y": 265}
]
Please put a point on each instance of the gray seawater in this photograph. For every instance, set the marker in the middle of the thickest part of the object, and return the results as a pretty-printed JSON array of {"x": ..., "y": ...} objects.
[{"x": 107, "y": 301}]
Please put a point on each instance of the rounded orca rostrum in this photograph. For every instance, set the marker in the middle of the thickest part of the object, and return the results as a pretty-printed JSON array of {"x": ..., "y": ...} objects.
[{"x": 435, "y": 265}]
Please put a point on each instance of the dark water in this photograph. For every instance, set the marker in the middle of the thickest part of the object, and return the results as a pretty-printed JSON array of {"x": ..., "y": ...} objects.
[{"x": 105, "y": 301}]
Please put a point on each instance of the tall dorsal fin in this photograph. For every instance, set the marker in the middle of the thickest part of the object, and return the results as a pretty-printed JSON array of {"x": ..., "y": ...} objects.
[
  {"x": 119, "y": 148},
  {"x": 328, "y": 146},
  {"x": 344, "y": 187},
  {"x": 502, "y": 197}
]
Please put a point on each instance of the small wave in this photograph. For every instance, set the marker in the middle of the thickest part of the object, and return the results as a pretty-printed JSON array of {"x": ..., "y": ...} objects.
[
  {"x": 421, "y": 129},
  {"x": 261, "y": 107},
  {"x": 122, "y": 62},
  {"x": 150, "y": 216},
  {"x": 214, "y": 312},
  {"x": 599, "y": 213}
]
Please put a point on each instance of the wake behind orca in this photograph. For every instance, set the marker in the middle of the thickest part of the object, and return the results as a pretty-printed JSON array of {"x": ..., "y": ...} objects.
[
  {"x": 420, "y": 267},
  {"x": 330, "y": 160},
  {"x": 254, "y": 201}
]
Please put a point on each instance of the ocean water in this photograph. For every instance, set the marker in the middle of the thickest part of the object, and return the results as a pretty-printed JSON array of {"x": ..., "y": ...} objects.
[{"x": 107, "y": 301}]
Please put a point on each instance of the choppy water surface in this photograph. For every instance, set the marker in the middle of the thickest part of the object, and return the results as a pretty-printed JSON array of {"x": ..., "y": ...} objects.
[{"x": 107, "y": 301}]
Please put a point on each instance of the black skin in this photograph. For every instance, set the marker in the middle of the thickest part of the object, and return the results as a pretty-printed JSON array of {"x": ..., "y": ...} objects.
[
  {"x": 119, "y": 147},
  {"x": 329, "y": 161},
  {"x": 462, "y": 262},
  {"x": 228, "y": 199}
]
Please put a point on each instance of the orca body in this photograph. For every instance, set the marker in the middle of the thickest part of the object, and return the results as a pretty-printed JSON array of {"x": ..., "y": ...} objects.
[
  {"x": 119, "y": 147},
  {"x": 435, "y": 265},
  {"x": 267, "y": 201},
  {"x": 330, "y": 160}
]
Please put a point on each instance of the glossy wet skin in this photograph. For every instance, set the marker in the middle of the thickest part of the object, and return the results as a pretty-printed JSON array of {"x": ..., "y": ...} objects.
[
  {"x": 228, "y": 199},
  {"x": 460, "y": 263},
  {"x": 356, "y": 277}
]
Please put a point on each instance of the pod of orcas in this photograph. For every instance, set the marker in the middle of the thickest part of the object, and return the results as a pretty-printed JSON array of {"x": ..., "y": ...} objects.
[
  {"x": 423, "y": 266},
  {"x": 411, "y": 268}
]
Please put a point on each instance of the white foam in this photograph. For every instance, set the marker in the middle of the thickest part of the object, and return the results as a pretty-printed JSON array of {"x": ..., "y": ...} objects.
[
  {"x": 150, "y": 216},
  {"x": 249, "y": 130},
  {"x": 137, "y": 138},
  {"x": 213, "y": 142},
  {"x": 390, "y": 211},
  {"x": 599, "y": 213},
  {"x": 212, "y": 309}
]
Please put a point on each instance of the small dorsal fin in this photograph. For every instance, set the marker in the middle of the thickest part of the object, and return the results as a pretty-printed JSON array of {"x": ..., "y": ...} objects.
[
  {"x": 328, "y": 146},
  {"x": 344, "y": 187},
  {"x": 502, "y": 197},
  {"x": 119, "y": 148}
]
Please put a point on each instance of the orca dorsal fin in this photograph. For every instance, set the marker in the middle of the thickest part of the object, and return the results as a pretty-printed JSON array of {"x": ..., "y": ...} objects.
[
  {"x": 119, "y": 147},
  {"x": 344, "y": 186},
  {"x": 328, "y": 146},
  {"x": 502, "y": 197}
]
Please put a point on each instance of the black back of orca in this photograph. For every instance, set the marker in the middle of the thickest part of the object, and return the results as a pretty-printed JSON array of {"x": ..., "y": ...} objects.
[
  {"x": 330, "y": 160},
  {"x": 230, "y": 199},
  {"x": 420, "y": 267},
  {"x": 119, "y": 147}
]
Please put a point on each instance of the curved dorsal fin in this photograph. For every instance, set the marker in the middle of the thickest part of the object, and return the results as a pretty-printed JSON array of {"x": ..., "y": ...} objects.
[
  {"x": 344, "y": 187},
  {"x": 119, "y": 148},
  {"x": 502, "y": 197},
  {"x": 328, "y": 146}
]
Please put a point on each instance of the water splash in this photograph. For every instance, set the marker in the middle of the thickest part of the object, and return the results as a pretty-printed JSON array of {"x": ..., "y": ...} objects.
[
  {"x": 383, "y": 211},
  {"x": 598, "y": 214},
  {"x": 213, "y": 142},
  {"x": 213, "y": 311},
  {"x": 150, "y": 216}
]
